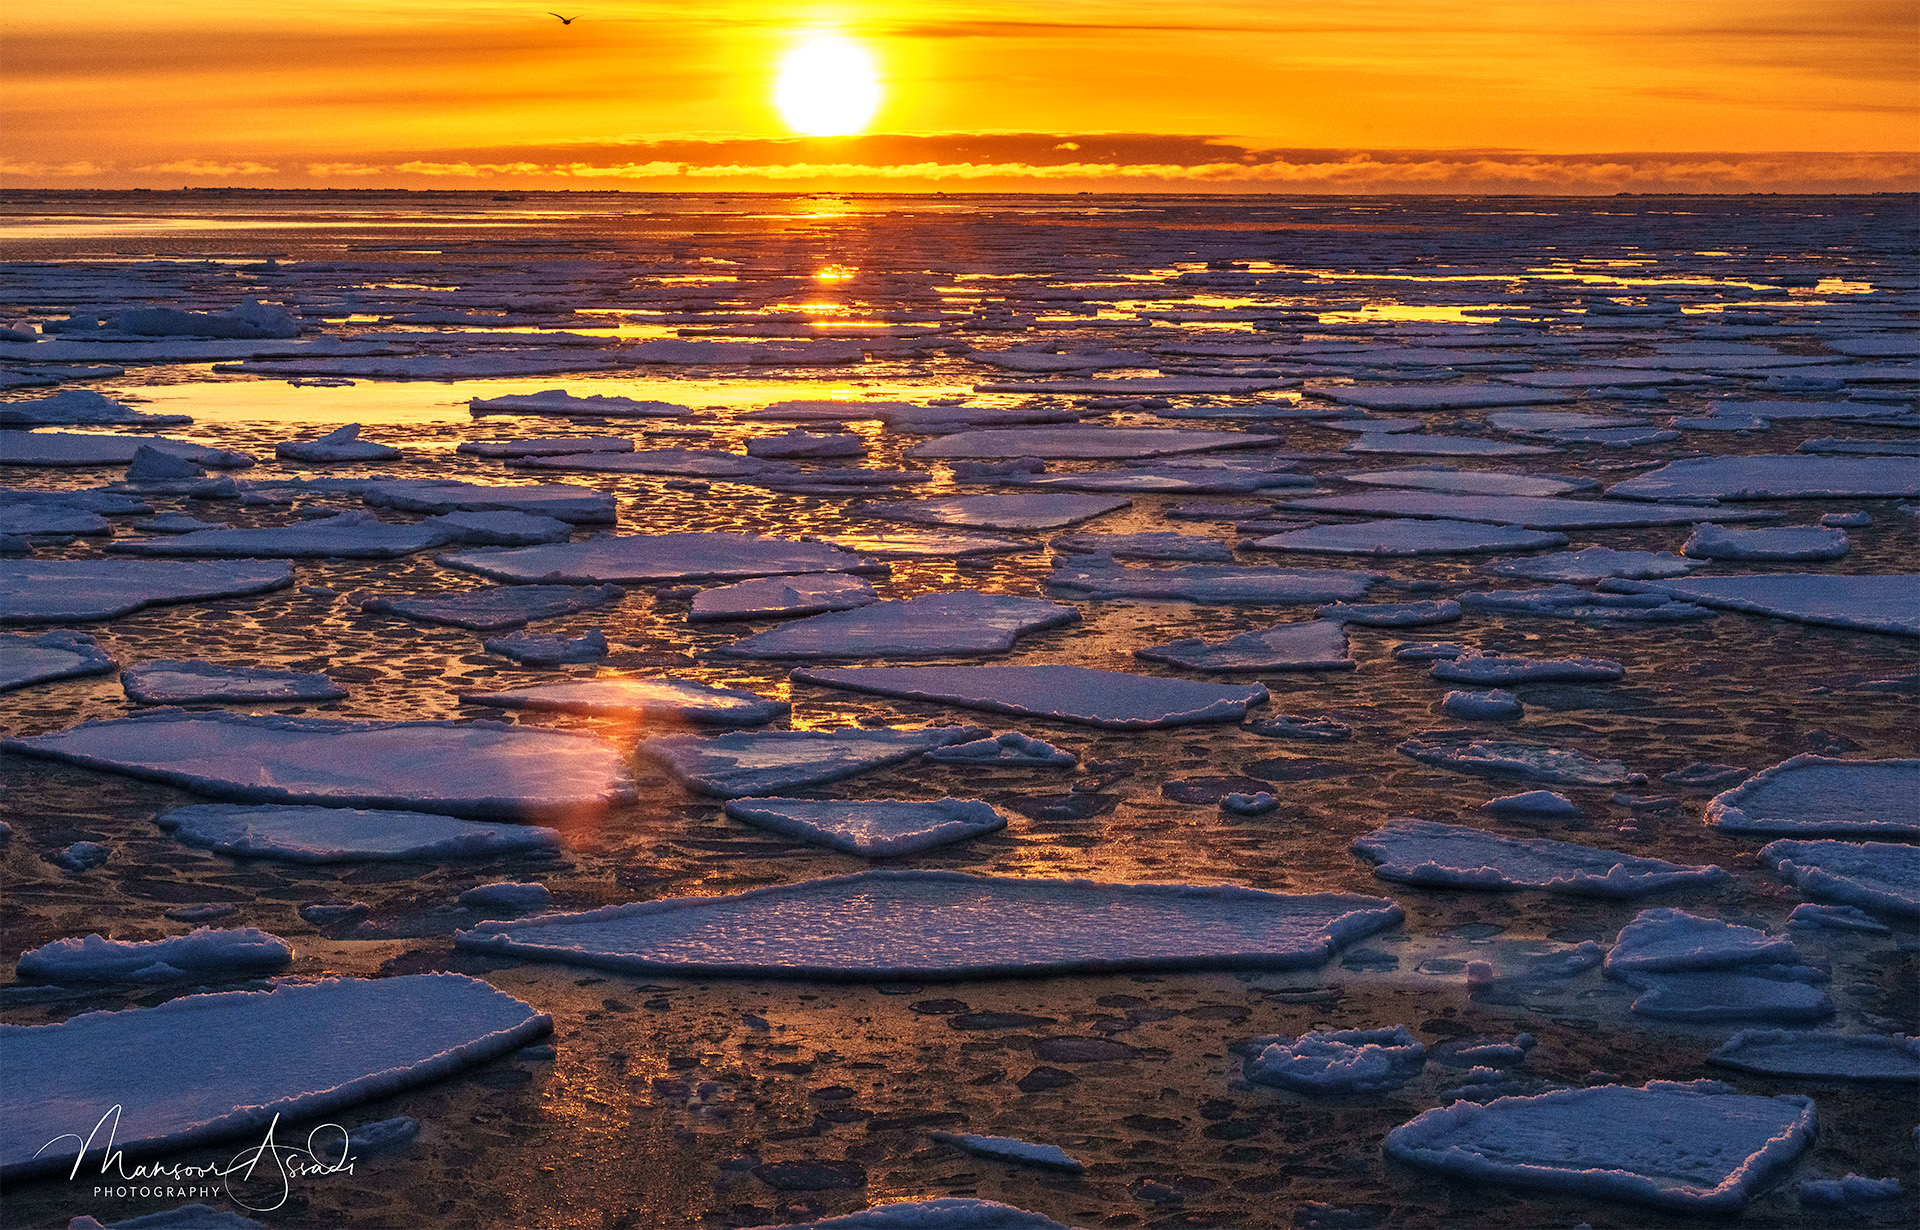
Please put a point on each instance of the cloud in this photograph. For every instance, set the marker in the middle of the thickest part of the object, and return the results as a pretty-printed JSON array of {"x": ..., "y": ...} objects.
[
  {"x": 54, "y": 170},
  {"x": 329, "y": 170},
  {"x": 197, "y": 166}
]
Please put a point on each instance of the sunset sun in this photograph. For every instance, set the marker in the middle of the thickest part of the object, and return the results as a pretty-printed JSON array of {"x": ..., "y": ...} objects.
[{"x": 827, "y": 86}]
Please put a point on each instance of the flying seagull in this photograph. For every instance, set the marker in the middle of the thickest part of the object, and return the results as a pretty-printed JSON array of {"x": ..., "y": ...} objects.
[{"x": 565, "y": 21}]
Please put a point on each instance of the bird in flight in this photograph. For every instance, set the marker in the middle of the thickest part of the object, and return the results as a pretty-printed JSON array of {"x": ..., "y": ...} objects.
[{"x": 565, "y": 21}]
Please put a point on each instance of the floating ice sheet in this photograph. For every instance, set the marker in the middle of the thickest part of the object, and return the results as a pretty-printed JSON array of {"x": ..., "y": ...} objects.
[
  {"x": 1496, "y": 705},
  {"x": 620, "y": 696},
  {"x": 1169, "y": 479},
  {"x": 1458, "y": 856},
  {"x": 744, "y": 763},
  {"x": 533, "y": 649},
  {"x": 782, "y": 597},
  {"x": 944, "y": 1213},
  {"x": 659, "y": 557},
  {"x": 1082, "y": 442},
  {"x": 1470, "y": 482},
  {"x": 1405, "y": 536},
  {"x": 885, "y": 925},
  {"x": 334, "y": 1043},
  {"x": 1822, "y": 1056},
  {"x": 1775, "y": 477},
  {"x": 46, "y": 591},
  {"x": 1110, "y": 699},
  {"x": 1415, "y": 444},
  {"x": 461, "y": 768},
  {"x": 1772, "y": 544},
  {"x": 1816, "y": 796},
  {"x": 340, "y": 444},
  {"x": 1310, "y": 645},
  {"x": 561, "y": 501},
  {"x": 1011, "y": 750},
  {"x": 1094, "y": 577},
  {"x": 350, "y": 535},
  {"x": 498, "y": 528},
  {"x": 1155, "y": 546},
  {"x": 1591, "y": 564},
  {"x": 1878, "y": 603},
  {"x": 1487, "y": 758},
  {"x": 871, "y": 828},
  {"x": 52, "y": 655},
  {"x": 562, "y": 403},
  {"x": 345, "y": 835},
  {"x": 930, "y": 626},
  {"x": 72, "y": 407},
  {"x": 1391, "y": 614},
  {"x": 64, "y": 448},
  {"x": 915, "y": 544},
  {"x": 165, "y": 681},
  {"x": 1472, "y": 667},
  {"x": 1728, "y": 995},
  {"x": 1008, "y": 1149},
  {"x": 495, "y": 606},
  {"x": 1879, "y": 875},
  {"x": 545, "y": 446},
  {"x": 202, "y": 954},
  {"x": 1439, "y": 396},
  {"x": 1568, "y": 602},
  {"x": 1038, "y": 511},
  {"x": 1339, "y": 1061},
  {"x": 686, "y": 462},
  {"x": 1534, "y": 512}
]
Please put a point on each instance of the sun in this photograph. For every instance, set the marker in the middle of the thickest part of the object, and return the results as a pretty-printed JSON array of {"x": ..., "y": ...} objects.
[{"x": 827, "y": 86}]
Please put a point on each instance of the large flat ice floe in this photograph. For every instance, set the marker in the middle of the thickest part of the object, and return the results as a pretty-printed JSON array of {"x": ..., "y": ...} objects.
[
  {"x": 1439, "y": 396},
  {"x": 1528, "y": 761},
  {"x": 204, "y": 953},
  {"x": 1101, "y": 577},
  {"x": 1694, "y": 1147},
  {"x": 494, "y": 607},
  {"x": 1110, "y": 699},
  {"x": 1569, "y": 602},
  {"x": 1309, "y": 645},
  {"x": 51, "y": 655},
  {"x": 1533, "y": 512},
  {"x": 344, "y": 834},
  {"x": 1879, "y": 875},
  {"x": 1154, "y": 546},
  {"x": 561, "y": 501},
  {"x": 1474, "y": 667},
  {"x": 334, "y": 1043},
  {"x": 632, "y": 696},
  {"x": 166, "y": 681},
  {"x": 563, "y": 404},
  {"x": 1590, "y": 564},
  {"x": 1888, "y": 602},
  {"x": 1772, "y": 544},
  {"x": 884, "y": 925},
  {"x": 1039, "y": 511},
  {"x": 349, "y": 535},
  {"x": 782, "y": 597},
  {"x": 1083, "y": 442},
  {"x": 916, "y": 544},
  {"x": 871, "y": 828},
  {"x": 1822, "y": 1056},
  {"x": 761, "y": 762},
  {"x": 1459, "y": 856},
  {"x": 64, "y": 448},
  {"x": 1788, "y": 476},
  {"x": 1418, "y": 444},
  {"x": 659, "y": 557},
  {"x": 930, "y": 626},
  {"x": 1470, "y": 482},
  {"x": 1407, "y": 536},
  {"x": 48, "y": 591},
  {"x": 340, "y": 444},
  {"x": 1341, "y": 1061},
  {"x": 460, "y": 768},
  {"x": 1816, "y": 796},
  {"x": 1690, "y": 968}
]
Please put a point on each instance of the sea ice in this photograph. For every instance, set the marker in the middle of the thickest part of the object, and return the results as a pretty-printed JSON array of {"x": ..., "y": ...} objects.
[
  {"x": 498, "y": 528},
  {"x": 1098, "y": 577},
  {"x": 1873, "y": 603},
  {"x": 348, "y": 535},
  {"x": 685, "y": 462},
  {"x": 1459, "y": 856},
  {"x": 1879, "y": 875},
  {"x": 1438, "y": 396},
  {"x": 184, "y": 1217},
  {"x": 52, "y": 655},
  {"x": 944, "y": 1213},
  {"x": 1591, "y": 564},
  {"x": 1489, "y": 758},
  {"x": 1165, "y": 480},
  {"x": 1309, "y": 645},
  {"x": 882, "y": 828},
  {"x": 493, "y": 607},
  {"x": 74, "y": 407},
  {"x": 336, "y": 1042},
  {"x": 1042, "y": 511},
  {"x": 1534, "y": 512},
  {"x": 62, "y": 448},
  {"x": 82, "y": 856},
  {"x": 47, "y": 591},
  {"x": 1109, "y": 699},
  {"x": 1154, "y": 546},
  {"x": 1695, "y": 1147},
  {"x": 252, "y": 319},
  {"x": 1470, "y": 482},
  {"x": 1299, "y": 726},
  {"x": 1788, "y": 476},
  {"x": 889, "y": 925},
  {"x": 340, "y": 444},
  {"x": 1007, "y": 1149},
  {"x": 1773, "y": 544},
  {"x": 1496, "y": 705},
  {"x": 1728, "y": 995},
  {"x": 533, "y": 649},
  {"x": 46, "y": 518},
  {"x": 1422, "y": 445},
  {"x": 1836, "y": 918},
  {"x": 1568, "y": 602},
  {"x": 164, "y": 681},
  {"x": 1662, "y": 941},
  {"x": 803, "y": 443},
  {"x": 742, "y": 763},
  {"x": 1534, "y": 805},
  {"x": 1339, "y": 1061},
  {"x": 561, "y": 501},
  {"x": 203, "y": 954},
  {"x": 1391, "y": 614},
  {"x": 1474, "y": 667},
  {"x": 1009, "y": 751},
  {"x": 560, "y": 403},
  {"x": 1822, "y": 1056},
  {"x": 1409, "y": 537},
  {"x": 545, "y": 446},
  {"x": 345, "y": 834},
  {"x": 1817, "y": 796},
  {"x": 507, "y": 895},
  {"x": 781, "y": 597},
  {"x": 917, "y": 544},
  {"x": 659, "y": 557},
  {"x": 632, "y": 696},
  {"x": 461, "y": 768},
  {"x": 930, "y": 626},
  {"x": 1259, "y": 803},
  {"x": 1851, "y": 1191}
]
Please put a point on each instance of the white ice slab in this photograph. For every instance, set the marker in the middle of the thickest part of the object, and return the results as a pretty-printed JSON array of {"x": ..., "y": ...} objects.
[
  {"x": 1094, "y": 577},
  {"x": 1391, "y": 614},
  {"x": 1405, "y": 536},
  {"x": 782, "y": 597},
  {"x": 495, "y": 606},
  {"x": 1879, "y": 875},
  {"x": 65, "y": 448},
  {"x": 545, "y": 446},
  {"x": 44, "y": 517},
  {"x": 1438, "y": 396},
  {"x": 1822, "y": 1056},
  {"x": 75, "y": 407},
  {"x": 51, "y": 655},
  {"x": 1557, "y": 420},
  {"x": 1662, "y": 941},
  {"x": 1697, "y": 1147},
  {"x": 349, "y": 535},
  {"x": 1775, "y": 477},
  {"x": 1007, "y": 1149},
  {"x": 46, "y": 591},
  {"x": 498, "y": 528},
  {"x": 461, "y": 768},
  {"x": 742, "y": 763},
  {"x": 631, "y": 696},
  {"x": 1570, "y": 602},
  {"x": 885, "y": 925},
  {"x": 1728, "y": 995},
  {"x": 1489, "y": 758},
  {"x": 802, "y": 443},
  {"x": 561, "y": 403},
  {"x": 1473, "y": 667},
  {"x": 561, "y": 501},
  {"x": 871, "y": 828},
  {"x": 1459, "y": 856},
  {"x": 204, "y": 953},
  {"x": 1534, "y": 512},
  {"x": 1816, "y": 796},
  {"x": 1470, "y": 482},
  {"x": 1309, "y": 645},
  {"x": 1887, "y": 602},
  {"x": 1166, "y": 480},
  {"x": 930, "y": 626},
  {"x": 1772, "y": 544},
  {"x": 340, "y": 444},
  {"x": 685, "y": 462},
  {"x": 345, "y": 835},
  {"x": 1534, "y": 805},
  {"x": 1109, "y": 699},
  {"x": 1415, "y": 444},
  {"x": 1010, "y": 750},
  {"x": 1036, "y": 511},
  {"x": 1591, "y": 564},
  {"x": 1341, "y": 1061},
  {"x": 166, "y": 681},
  {"x": 321, "y": 1046},
  {"x": 659, "y": 557},
  {"x": 917, "y": 544},
  {"x": 1154, "y": 546},
  {"x": 1494, "y": 705},
  {"x": 533, "y": 649}
]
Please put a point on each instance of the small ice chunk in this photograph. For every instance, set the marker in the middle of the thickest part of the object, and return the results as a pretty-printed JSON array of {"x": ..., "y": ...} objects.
[
  {"x": 1879, "y": 875},
  {"x": 1703, "y": 776},
  {"x": 533, "y": 649},
  {"x": 1021, "y": 511},
  {"x": 1668, "y": 940},
  {"x": 346, "y": 835},
  {"x": 662, "y": 696},
  {"x": 930, "y": 626},
  {"x": 496, "y": 606},
  {"x": 1497, "y": 705},
  {"x": 1470, "y": 482},
  {"x": 1406, "y": 536},
  {"x": 1474, "y": 667},
  {"x": 883, "y": 828},
  {"x": 1590, "y": 564},
  {"x": 1152, "y": 546},
  {"x": 780, "y": 597},
  {"x": 166, "y": 681},
  {"x": 742, "y": 763},
  {"x": 1726, "y": 995},
  {"x": 802, "y": 443},
  {"x": 1338, "y": 1061},
  {"x": 1421, "y": 444},
  {"x": 44, "y": 591},
  {"x": 1534, "y": 804},
  {"x": 1309, "y": 645},
  {"x": 1819, "y": 796},
  {"x": 657, "y": 557},
  {"x": 176, "y": 523},
  {"x": 1852, "y": 520},
  {"x": 1111, "y": 699},
  {"x": 327, "y": 913},
  {"x": 1010, "y": 750},
  {"x": 1258, "y": 803},
  {"x": 384, "y": 1135},
  {"x": 1391, "y": 614},
  {"x": 507, "y": 895},
  {"x": 1427, "y": 651},
  {"x": 82, "y": 856},
  {"x": 52, "y": 655},
  {"x": 1100, "y": 578},
  {"x": 562, "y": 403},
  {"x": 1489, "y": 758},
  {"x": 1011, "y": 1149},
  {"x": 1847, "y": 1192},
  {"x": 1822, "y": 1056},
  {"x": 545, "y": 446},
  {"x": 1533, "y": 512},
  {"x": 1772, "y": 544},
  {"x": 1836, "y": 918},
  {"x": 499, "y": 528},
  {"x": 340, "y": 444},
  {"x": 1299, "y": 726},
  {"x": 202, "y": 954},
  {"x": 1459, "y": 856},
  {"x": 1439, "y": 396}
]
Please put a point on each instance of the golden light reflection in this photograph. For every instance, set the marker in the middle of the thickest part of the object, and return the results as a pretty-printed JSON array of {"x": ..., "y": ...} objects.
[
  {"x": 828, "y": 86},
  {"x": 835, "y": 273}
]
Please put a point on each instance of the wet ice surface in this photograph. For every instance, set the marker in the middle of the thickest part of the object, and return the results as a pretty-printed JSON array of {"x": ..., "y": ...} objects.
[{"x": 1134, "y": 1077}]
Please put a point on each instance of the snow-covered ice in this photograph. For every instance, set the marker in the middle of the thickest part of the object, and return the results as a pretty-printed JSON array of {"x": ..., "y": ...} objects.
[
  {"x": 1836, "y": 918},
  {"x": 1475, "y": 667},
  {"x": 1459, "y": 856},
  {"x": 1568, "y": 602},
  {"x": 561, "y": 501},
  {"x": 1342, "y": 1061},
  {"x": 1011, "y": 750},
  {"x": 871, "y": 828},
  {"x": 498, "y": 528},
  {"x": 684, "y": 462},
  {"x": 62, "y": 448},
  {"x": 1153, "y": 546},
  {"x": 658, "y": 557},
  {"x": 1533, "y": 512},
  {"x": 561, "y": 403},
  {"x": 1848, "y": 1192},
  {"x": 1816, "y": 796},
  {"x": 1774, "y": 477},
  {"x": 1590, "y": 564},
  {"x": 346, "y": 835},
  {"x": 48, "y": 591},
  {"x": 1879, "y": 875},
  {"x": 534, "y": 649},
  {"x": 916, "y": 544},
  {"x": 661, "y": 696},
  {"x": 1772, "y": 544},
  {"x": 340, "y": 444},
  {"x": 75, "y": 407},
  {"x": 1489, "y": 758},
  {"x": 1011, "y": 1149},
  {"x": 1419, "y": 444},
  {"x": 205, "y": 953},
  {"x": 803, "y": 443},
  {"x": 886, "y": 925},
  {"x": 1470, "y": 482},
  {"x": 1495, "y": 705},
  {"x": 782, "y": 597},
  {"x": 930, "y": 626},
  {"x": 1403, "y": 536},
  {"x": 1022, "y": 511},
  {"x": 51, "y": 655},
  {"x": 493, "y": 607},
  {"x": 347, "y": 535},
  {"x": 1534, "y": 805},
  {"x": 545, "y": 446},
  {"x": 1082, "y": 442},
  {"x": 1099, "y": 577},
  {"x": 1110, "y": 699},
  {"x": 1822, "y": 1056},
  {"x": 1439, "y": 396},
  {"x": 1887, "y": 602},
  {"x": 1667, "y": 940},
  {"x": 742, "y": 763},
  {"x": 507, "y": 895},
  {"x": 1391, "y": 614},
  {"x": 1308, "y": 645}
]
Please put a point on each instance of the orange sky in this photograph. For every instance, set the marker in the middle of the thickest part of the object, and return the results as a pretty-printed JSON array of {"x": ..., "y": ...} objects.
[{"x": 1349, "y": 95}]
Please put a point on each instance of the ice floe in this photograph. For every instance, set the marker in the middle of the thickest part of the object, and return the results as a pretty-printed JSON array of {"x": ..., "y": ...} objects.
[
  {"x": 61, "y": 448},
  {"x": 52, "y": 655},
  {"x": 205, "y": 953},
  {"x": 338, "y": 1042},
  {"x": 533, "y": 649},
  {"x": 461, "y": 768},
  {"x": 1534, "y": 805},
  {"x": 1391, "y": 614},
  {"x": 1098, "y": 577},
  {"x": 561, "y": 501},
  {"x": 782, "y": 597},
  {"x": 545, "y": 446},
  {"x": 1534, "y": 512},
  {"x": 1008, "y": 751},
  {"x": 930, "y": 626},
  {"x": 1039, "y": 511},
  {"x": 1309, "y": 645},
  {"x": 1470, "y": 482},
  {"x": 340, "y": 444},
  {"x": 871, "y": 828},
  {"x": 1879, "y": 875},
  {"x": 1849, "y": 1192},
  {"x": 496, "y": 606},
  {"x": 884, "y": 925},
  {"x": 1110, "y": 699},
  {"x": 1341, "y": 1061},
  {"x": 1423, "y": 445},
  {"x": 511, "y": 896},
  {"x": 1591, "y": 564},
  {"x": 1873, "y": 603},
  {"x": 1404, "y": 536},
  {"x": 916, "y": 544},
  {"x": 1774, "y": 477},
  {"x": 1836, "y": 918},
  {"x": 498, "y": 528},
  {"x": 802, "y": 443},
  {"x": 561, "y": 403},
  {"x": 348, "y": 535},
  {"x": 47, "y": 591},
  {"x": 1817, "y": 796},
  {"x": 75, "y": 407},
  {"x": 1822, "y": 1056},
  {"x": 1567, "y": 602},
  {"x": 1488, "y": 758},
  {"x": 628, "y": 695},
  {"x": 1438, "y": 396},
  {"x": 165, "y": 681},
  {"x": 658, "y": 557},
  {"x": 1153, "y": 546},
  {"x": 1496, "y": 705},
  {"x": 1082, "y": 442},
  {"x": 1459, "y": 856},
  {"x": 1773, "y": 544},
  {"x": 942, "y": 1213},
  {"x": 684, "y": 462},
  {"x": 1475, "y": 667},
  {"x": 345, "y": 835},
  {"x": 1008, "y": 1149},
  {"x": 742, "y": 763}
]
